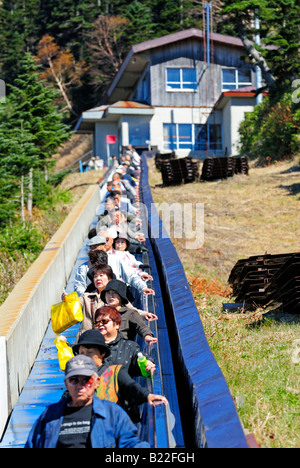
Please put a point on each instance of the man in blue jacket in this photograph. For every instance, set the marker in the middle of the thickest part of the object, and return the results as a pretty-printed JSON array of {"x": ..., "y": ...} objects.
[{"x": 83, "y": 420}]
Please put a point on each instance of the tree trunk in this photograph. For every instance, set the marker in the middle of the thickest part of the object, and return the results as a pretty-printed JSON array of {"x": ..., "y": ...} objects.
[
  {"x": 30, "y": 193},
  {"x": 22, "y": 200},
  {"x": 257, "y": 56},
  {"x": 61, "y": 87}
]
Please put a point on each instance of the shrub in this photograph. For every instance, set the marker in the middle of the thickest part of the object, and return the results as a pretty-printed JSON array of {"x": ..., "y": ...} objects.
[{"x": 271, "y": 132}]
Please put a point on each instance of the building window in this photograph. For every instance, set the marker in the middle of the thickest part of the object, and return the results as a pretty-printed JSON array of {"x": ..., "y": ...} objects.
[
  {"x": 208, "y": 135},
  {"x": 192, "y": 137},
  {"x": 181, "y": 79},
  {"x": 139, "y": 134},
  {"x": 236, "y": 78}
]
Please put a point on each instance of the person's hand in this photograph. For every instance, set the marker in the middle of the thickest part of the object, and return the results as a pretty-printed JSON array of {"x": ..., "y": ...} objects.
[
  {"x": 140, "y": 237},
  {"x": 150, "y": 340},
  {"x": 150, "y": 367},
  {"x": 146, "y": 277},
  {"x": 150, "y": 317},
  {"x": 155, "y": 400},
  {"x": 148, "y": 292}
]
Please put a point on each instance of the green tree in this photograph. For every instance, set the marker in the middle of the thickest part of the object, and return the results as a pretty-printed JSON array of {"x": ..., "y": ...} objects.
[
  {"x": 68, "y": 22},
  {"x": 140, "y": 22},
  {"x": 284, "y": 37},
  {"x": 31, "y": 129},
  {"x": 279, "y": 28},
  {"x": 19, "y": 32},
  {"x": 271, "y": 132}
]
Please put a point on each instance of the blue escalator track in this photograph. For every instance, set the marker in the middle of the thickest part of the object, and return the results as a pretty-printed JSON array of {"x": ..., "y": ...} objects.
[{"x": 160, "y": 426}]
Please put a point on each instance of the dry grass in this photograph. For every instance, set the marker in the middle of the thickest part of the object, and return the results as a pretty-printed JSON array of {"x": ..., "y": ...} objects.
[
  {"x": 244, "y": 216},
  {"x": 73, "y": 149}
]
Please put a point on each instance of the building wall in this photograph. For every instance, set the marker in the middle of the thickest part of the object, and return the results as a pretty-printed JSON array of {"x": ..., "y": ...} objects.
[
  {"x": 227, "y": 136},
  {"x": 100, "y": 147},
  {"x": 190, "y": 53},
  {"x": 238, "y": 109},
  {"x": 182, "y": 106},
  {"x": 181, "y": 116}
]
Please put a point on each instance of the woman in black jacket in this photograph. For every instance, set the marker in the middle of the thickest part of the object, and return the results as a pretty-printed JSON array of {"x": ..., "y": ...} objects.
[
  {"x": 115, "y": 384},
  {"x": 115, "y": 295},
  {"x": 107, "y": 322}
]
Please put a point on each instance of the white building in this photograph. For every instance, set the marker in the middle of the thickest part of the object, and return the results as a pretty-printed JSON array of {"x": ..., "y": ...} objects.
[{"x": 169, "y": 96}]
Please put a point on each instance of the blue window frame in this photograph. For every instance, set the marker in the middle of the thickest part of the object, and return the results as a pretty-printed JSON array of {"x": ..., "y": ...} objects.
[
  {"x": 208, "y": 134},
  {"x": 233, "y": 78},
  {"x": 181, "y": 79},
  {"x": 192, "y": 136},
  {"x": 170, "y": 136},
  {"x": 139, "y": 134}
]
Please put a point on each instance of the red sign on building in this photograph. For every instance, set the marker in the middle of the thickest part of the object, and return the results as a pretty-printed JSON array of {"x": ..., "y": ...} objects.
[{"x": 111, "y": 139}]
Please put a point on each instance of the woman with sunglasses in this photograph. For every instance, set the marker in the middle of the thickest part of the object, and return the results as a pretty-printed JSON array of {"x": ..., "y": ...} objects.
[
  {"x": 91, "y": 301},
  {"x": 115, "y": 383},
  {"x": 107, "y": 321}
]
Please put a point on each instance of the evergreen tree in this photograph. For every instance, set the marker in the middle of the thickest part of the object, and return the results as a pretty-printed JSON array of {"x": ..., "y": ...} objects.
[
  {"x": 140, "y": 23},
  {"x": 30, "y": 128},
  {"x": 279, "y": 27},
  {"x": 284, "y": 34},
  {"x": 32, "y": 102},
  {"x": 18, "y": 34},
  {"x": 167, "y": 14},
  {"x": 68, "y": 22}
]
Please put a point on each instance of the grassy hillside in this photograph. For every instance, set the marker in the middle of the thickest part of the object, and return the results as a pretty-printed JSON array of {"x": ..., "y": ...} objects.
[{"x": 244, "y": 216}]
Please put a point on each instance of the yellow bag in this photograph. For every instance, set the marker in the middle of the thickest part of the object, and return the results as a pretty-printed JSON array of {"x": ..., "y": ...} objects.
[
  {"x": 66, "y": 313},
  {"x": 64, "y": 351}
]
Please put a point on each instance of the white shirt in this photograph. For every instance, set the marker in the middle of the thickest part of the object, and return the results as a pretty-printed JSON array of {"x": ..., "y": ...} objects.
[{"x": 121, "y": 268}]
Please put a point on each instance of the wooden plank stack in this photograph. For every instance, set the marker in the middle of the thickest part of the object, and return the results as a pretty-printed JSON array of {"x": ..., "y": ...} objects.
[
  {"x": 268, "y": 281},
  {"x": 178, "y": 171},
  {"x": 224, "y": 167},
  {"x": 159, "y": 158}
]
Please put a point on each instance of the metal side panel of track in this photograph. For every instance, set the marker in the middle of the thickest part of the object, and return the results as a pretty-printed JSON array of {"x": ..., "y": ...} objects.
[{"x": 209, "y": 416}]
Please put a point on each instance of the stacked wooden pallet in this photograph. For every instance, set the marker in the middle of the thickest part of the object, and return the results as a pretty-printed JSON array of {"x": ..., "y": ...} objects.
[
  {"x": 241, "y": 165},
  {"x": 224, "y": 167},
  {"x": 177, "y": 171},
  {"x": 269, "y": 281},
  {"x": 159, "y": 158}
]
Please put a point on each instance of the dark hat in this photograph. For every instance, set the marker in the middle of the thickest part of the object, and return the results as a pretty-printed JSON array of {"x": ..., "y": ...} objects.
[
  {"x": 81, "y": 365},
  {"x": 117, "y": 286},
  {"x": 91, "y": 338},
  {"x": 122, "y": 235}
]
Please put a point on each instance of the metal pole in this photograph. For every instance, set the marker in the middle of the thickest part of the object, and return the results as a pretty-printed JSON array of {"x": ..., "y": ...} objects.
[
  {"x": 207, "y": 7},
  {"x": 258, "y": 74}
]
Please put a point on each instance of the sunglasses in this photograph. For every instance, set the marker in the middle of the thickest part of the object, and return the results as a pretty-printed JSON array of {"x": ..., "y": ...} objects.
[
  {"x": 97, "y": 323},
  {"x": 82, "y": 380}
]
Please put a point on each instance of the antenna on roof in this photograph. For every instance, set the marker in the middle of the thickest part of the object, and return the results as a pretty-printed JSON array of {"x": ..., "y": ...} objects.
[{"x": 207, "y": 7}]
